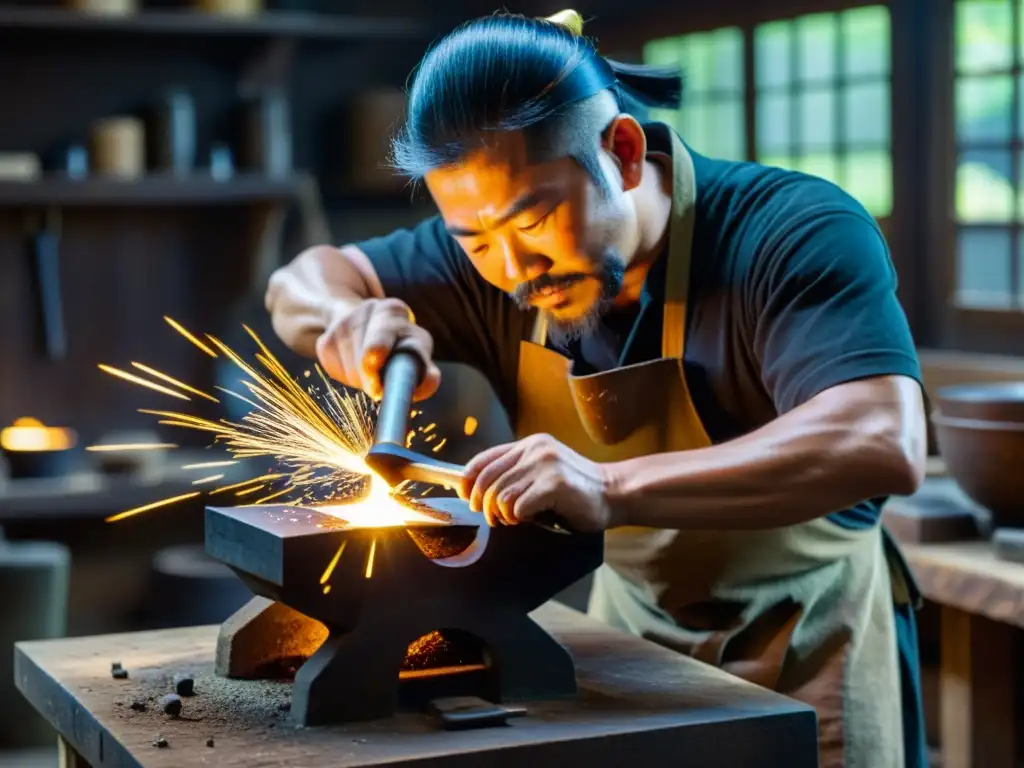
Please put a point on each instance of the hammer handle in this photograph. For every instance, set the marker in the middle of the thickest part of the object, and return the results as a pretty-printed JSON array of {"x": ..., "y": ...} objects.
[{"x": 401, "y": 375}]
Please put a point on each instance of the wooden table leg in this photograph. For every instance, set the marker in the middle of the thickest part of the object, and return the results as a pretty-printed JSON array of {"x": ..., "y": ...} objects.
[
  {"x": 977, "y": 692},
  {"x": 67, "y": 755}
]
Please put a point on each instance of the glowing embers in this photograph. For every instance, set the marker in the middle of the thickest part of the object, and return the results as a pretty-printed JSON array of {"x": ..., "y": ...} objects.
[
  {"x": 31, "y": 435},
  {"x": 443, "y": 652}
]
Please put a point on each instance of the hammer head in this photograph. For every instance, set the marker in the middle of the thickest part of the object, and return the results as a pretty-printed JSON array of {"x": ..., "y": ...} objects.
[{"x": 388, "y": 460}]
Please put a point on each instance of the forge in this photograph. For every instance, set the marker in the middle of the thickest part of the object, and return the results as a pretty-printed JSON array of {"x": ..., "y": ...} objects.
[{"x": 376, "y": 619}]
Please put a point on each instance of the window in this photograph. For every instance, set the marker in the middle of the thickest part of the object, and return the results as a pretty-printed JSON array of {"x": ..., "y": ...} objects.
[
  {"x": 988, "y": 128},
  {"x": 823, "y": 100},
  {"x": 712, "y": 119}
]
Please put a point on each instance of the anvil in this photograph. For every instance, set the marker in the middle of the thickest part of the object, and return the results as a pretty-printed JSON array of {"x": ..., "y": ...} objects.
[{"x": 391, "y": 586}]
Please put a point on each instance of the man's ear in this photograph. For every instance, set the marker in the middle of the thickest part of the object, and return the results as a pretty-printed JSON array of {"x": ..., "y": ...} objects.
[{"x": 624, "y": 139}]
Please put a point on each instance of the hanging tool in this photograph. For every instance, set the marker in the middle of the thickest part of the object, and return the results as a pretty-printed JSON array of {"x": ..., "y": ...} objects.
[
  {"x": 46, "y": 274},
  {"x": 389, "y": 457}
]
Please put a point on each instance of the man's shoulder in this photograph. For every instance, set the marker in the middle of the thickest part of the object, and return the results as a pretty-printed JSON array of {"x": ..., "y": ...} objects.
[
  {"x": 768, "y": 197},
  {"x": 426, "y": 238},
  {"x": 758, "y": 219}
]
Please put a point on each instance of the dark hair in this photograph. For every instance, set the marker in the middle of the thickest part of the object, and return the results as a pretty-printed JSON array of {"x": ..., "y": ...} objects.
[{"x": 508, "y": 72}]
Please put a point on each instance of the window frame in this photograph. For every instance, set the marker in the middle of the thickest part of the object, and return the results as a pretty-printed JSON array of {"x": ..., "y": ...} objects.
[{"x": 922, "y": 229}]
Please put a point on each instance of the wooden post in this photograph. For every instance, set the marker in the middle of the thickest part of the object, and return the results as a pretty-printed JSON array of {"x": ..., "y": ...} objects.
[{"x": 979, "y": 723}]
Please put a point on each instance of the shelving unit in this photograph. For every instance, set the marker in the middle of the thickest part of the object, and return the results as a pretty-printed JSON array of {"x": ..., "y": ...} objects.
[
  {"x": 189, "y": 247},
  {"x": 324, "y": 28},
  {"x": 150, "y": 190}
]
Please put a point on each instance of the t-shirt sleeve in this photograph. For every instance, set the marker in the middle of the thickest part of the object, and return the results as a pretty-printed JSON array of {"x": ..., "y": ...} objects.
[
  {"x": 825, "y": 308},
  {"x": 470, "y": 320}
]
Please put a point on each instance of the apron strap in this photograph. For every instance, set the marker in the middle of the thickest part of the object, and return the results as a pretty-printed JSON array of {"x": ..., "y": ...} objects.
[
  {"x": 539, "y": 334},
  {"x": 680, "y": 244}
]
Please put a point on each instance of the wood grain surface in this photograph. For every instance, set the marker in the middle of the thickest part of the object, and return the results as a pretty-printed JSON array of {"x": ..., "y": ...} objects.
[
  {"x": 639, "y": 704},
  {"x": 968, "y": 576}
]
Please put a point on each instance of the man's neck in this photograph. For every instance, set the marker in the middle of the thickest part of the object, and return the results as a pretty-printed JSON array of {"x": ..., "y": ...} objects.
[{"x": 653, "y": 201}]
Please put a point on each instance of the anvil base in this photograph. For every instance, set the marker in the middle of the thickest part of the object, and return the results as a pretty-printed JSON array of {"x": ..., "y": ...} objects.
[{"x": 344, "y": 604}]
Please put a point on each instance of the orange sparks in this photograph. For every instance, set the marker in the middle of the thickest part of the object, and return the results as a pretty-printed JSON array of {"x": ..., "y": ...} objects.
[
  {"x": 369, "y": 560},
  {"x": 470, "y": 426},
  {"x": 171, "y": 380},
  {"x": 429, "y": 428},
  {"x": 148, "y": 507},
  {"x": 244, "y": 483},
  {"x": 327, "y": 588},
  {"x": 129, "y": 446},
  {"x": 190, "y": 337},
  {"x": 265, "y": 499},
  {"x": 210, "y": 465},
  {"x": 440, "y": 445},
  {"x": 210, "y": 479},
  {"x": 141, "y": 382},
  {"x": 334, "y": 561},
  {"x": 247, "y": 491}
]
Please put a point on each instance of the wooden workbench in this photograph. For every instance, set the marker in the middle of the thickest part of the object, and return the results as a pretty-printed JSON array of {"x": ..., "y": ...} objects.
[
  {"x": 639, "y": 704},
  {"x": 982, "y": 603}
]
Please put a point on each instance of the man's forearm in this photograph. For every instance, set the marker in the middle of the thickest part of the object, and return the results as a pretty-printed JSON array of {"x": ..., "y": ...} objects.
[
  {"x": 818, "y": 459},
  {"x": 303, "y": 296}
]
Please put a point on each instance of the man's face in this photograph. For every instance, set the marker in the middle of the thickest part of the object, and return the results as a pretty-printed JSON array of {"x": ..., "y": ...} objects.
[{"x": 545, "y": 233}]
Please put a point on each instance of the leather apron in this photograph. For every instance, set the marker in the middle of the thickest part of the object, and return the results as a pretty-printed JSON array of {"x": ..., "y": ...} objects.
[{"x": 805, "y": 610}]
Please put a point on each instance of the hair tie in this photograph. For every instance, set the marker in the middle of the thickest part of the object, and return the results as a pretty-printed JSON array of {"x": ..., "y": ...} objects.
[{"x": 569, "y": 20}]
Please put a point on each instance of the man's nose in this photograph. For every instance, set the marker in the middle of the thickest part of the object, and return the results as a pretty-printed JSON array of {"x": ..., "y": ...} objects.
[{"x": 521, "y": 266}]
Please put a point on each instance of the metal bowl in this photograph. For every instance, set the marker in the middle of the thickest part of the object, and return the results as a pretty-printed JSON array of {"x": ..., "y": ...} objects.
[
  {"x": 992, "y": 401},
  {"x": 984, "y": 459}
]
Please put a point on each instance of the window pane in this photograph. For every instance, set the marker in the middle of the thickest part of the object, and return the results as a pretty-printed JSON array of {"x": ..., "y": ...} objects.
[
  {"x": 673, "y": 117},
  {"x": 772, "y": 54},
  {"x": 866, "y": 41},
  {"x": 726, "y": 125},
  {"x": 816, "y": 47},
  {"x": 727, "y": 60},
  {"x": 983, "y": 35},
  {"x": 983, "y": 108},
  {"x": 693, "y": 124},
  {"x": 776, "y": 161},
  {"x": 817, "y": 119},
  {"x": 1020, "y": 191},
  {"x": 773, "y": 124},
  {"x": 983, "y": 188},
  {"x": 866, "y": 113},
  {"x": 823, "y": 165},
  {"x": 662, "y": 53},
  {"x": 696, "y": 60},
  {"x": 983, "y": 269},
  {"x": 868, "y": 177}
]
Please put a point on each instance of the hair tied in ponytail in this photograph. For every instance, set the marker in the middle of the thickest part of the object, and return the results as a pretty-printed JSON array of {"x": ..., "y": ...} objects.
[{"x": 569, "y": 20}]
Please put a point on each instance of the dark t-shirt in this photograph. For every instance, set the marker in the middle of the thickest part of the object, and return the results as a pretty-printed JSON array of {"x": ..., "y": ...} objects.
[{"x": 792, "y": 291}]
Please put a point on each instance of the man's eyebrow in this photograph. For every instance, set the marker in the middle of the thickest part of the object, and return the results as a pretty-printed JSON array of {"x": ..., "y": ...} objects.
[{"x": 524, "y": 203}]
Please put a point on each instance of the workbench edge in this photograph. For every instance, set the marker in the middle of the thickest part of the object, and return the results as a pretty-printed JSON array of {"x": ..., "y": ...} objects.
[{"x": 67, "y": 716}]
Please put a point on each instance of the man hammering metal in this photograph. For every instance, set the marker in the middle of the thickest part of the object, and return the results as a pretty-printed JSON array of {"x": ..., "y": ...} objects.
[{"x": 705, "y": 359}]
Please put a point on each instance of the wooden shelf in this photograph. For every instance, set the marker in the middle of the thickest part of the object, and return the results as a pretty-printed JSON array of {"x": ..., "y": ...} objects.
[
  {"x": 306, "y": 26},
  {"x": 152, "y": 190}
]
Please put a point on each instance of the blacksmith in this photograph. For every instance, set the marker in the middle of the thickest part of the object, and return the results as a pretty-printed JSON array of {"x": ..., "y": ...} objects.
[{"x": 706, "y": 359}]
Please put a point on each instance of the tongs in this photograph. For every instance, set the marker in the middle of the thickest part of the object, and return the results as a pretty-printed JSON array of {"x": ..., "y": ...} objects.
[{"x": 395, "y": 463}]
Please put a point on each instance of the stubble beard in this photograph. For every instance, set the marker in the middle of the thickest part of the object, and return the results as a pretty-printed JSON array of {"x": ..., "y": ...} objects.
[{"x": 611, "y": 274}]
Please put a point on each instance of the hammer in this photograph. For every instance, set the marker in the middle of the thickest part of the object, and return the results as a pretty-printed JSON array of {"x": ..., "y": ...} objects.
[{"x": 389, "y": 457}]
